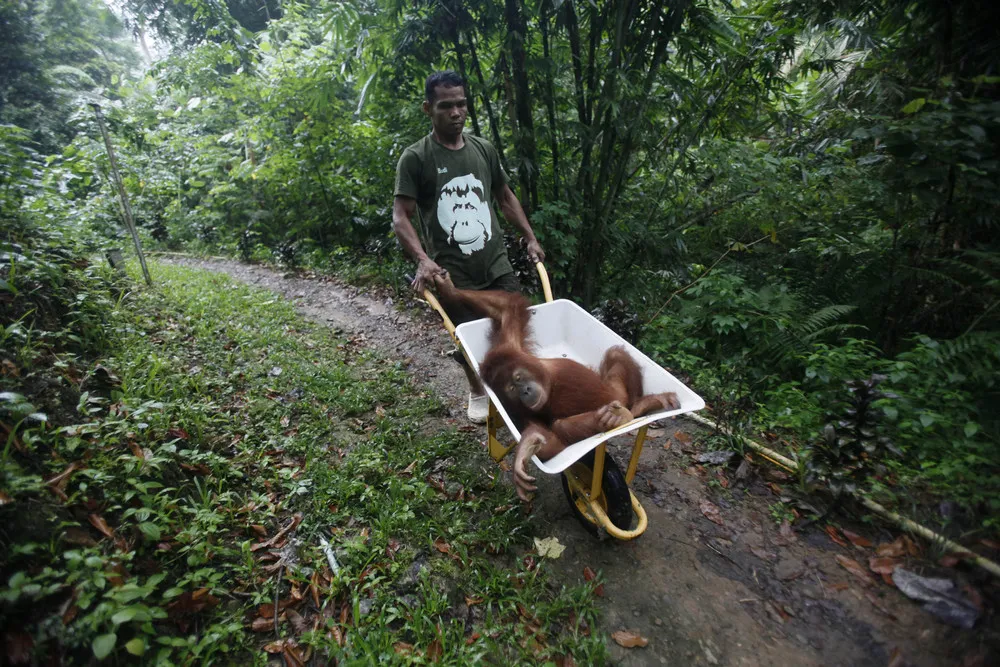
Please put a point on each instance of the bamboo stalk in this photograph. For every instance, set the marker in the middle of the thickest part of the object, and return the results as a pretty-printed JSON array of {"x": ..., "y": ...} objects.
[
  {"x": 901, "y": 521},
  {"x": 123, "y": 196}
]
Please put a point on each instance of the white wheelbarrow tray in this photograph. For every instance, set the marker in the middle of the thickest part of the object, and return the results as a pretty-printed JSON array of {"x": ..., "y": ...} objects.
[{"x": 562, "y": 329}]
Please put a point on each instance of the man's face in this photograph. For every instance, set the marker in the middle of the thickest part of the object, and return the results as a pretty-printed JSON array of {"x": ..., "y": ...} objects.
[{"x": 447, "y": 111}]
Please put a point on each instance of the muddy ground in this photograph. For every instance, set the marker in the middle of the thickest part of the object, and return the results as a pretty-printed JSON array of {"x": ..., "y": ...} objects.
[{"x": 740, "y": 593}]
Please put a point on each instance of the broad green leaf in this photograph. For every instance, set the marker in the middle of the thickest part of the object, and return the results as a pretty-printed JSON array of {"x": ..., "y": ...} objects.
[
  {"x": 136, "y": 646},
  {"x": 104, "y": 645},
  {"x": 125, "y": 615},
  {"x": 915, "y": 105},
  {"x": 971, "y": 428},
  {"x": 150, "y": 530}
]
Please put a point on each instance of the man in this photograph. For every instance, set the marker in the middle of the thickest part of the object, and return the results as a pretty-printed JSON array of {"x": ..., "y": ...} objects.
[{"x": 452, "y": 179}]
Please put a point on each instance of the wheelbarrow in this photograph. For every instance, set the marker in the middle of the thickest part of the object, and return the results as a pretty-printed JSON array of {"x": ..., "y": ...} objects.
[{"x": 597, "y": 491}]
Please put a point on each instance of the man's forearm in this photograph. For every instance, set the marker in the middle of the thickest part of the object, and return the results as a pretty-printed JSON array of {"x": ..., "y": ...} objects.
[{"x": 408, "y": 238}]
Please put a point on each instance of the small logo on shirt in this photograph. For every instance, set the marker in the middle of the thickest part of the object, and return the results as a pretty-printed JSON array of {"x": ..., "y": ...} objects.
[{"x": 442, "y": 170}]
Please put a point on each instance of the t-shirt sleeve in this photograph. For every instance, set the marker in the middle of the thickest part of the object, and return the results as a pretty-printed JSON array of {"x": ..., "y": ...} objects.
[
  {"x": 408, "y": 175},
  {"x": 499, "y": 175}
]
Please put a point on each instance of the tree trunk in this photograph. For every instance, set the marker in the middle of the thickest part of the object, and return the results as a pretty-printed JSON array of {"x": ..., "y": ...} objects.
[
  {"x": 494, "y": 125},
  {"x": 550, "y": 103},
  {"x": 471, "y": 102},
  {"x": 517, "y": 31}
]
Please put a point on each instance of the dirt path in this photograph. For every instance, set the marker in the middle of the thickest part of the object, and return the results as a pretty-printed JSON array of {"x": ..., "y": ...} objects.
[{"x": 703, "y": 594}]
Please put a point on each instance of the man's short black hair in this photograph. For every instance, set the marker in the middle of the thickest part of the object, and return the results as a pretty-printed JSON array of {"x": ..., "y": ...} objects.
[{"x": 446, "y": 78}]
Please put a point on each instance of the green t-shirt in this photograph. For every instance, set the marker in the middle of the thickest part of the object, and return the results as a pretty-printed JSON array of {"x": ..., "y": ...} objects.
[{"x": 454, "y": 193}]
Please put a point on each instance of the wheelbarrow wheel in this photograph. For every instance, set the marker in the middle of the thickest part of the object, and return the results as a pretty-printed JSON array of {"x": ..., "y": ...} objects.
[{"x": 615, "y": 498}]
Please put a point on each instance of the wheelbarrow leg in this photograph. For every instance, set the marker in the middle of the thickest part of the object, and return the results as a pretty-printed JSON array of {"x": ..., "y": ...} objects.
[{"x": 496, "y": 448}]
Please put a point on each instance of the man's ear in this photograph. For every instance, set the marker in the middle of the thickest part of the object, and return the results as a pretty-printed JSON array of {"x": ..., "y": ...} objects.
[{"x": 426, "y": 106}]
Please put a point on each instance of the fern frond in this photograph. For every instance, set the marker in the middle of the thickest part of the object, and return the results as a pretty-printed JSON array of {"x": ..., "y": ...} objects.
[
  {"x": 935, "y": 275},
  {"x": 976, "y": 354},
  {"x": 966, "y": 268},
  {"x": 840, "y": 330},
  {"x": 823, "y": 318}
]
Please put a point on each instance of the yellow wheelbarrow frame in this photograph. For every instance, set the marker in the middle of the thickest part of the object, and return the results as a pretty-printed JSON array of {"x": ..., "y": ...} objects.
[{"x": 584, "y": 483}]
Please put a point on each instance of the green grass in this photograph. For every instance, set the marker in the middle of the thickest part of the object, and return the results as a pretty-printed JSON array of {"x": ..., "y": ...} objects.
[{"x": 220, "y": 415}]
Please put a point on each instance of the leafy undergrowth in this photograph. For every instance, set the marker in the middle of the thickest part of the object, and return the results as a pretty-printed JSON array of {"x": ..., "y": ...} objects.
[{"x": 176, "y": 502}]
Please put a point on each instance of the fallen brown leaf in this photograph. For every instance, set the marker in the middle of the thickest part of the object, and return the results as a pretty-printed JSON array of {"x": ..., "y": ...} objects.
[
  {"x": 894, "y": 549},
  {"x": 262, "y": 624},
  {"x": 434, "y": 651},
  {"x": 590, "y": 575},
  {"x": 953, "y": 559},
  {"x": 990, "y": 544},
  {"x": 711, "y": 512},
  {"x": 472, "y": 600},
  {"x": 855, "y": 568},
  {"x": 834, "y": 535},
  {"x": 856, "y": 540},
  {"x": 275, "y": 647},
  {"x": 442, "y": 546},
  {"x": 259, "y": 529},
  {"x": 178, "y": 433},
  {"x": 629, "y": 638},
  {"x": 682, "y": 437},
  {"x": 393, "y": 546},
  {"x": 896, "y": 658},
  {"x": 975, "y": 597},
  {"x": 136, "y": 450},
  {"x": 5, "y": 498},
  {"x": 839, "y": 586},
  {"x": 565, "y": 661},
  {"x": 299, "y": 624},
  {"x": 883, "y": 565},
  {"x": 57, "y": 483},
  {"x": 100, "y": 524},
  {"x": 402, "y": 648},
  {"x": 408, "y": 470},
  {"x": 296, "y": 520},
  {"x": 293, "y": 655},
  {"x": 775, "y": 475}
]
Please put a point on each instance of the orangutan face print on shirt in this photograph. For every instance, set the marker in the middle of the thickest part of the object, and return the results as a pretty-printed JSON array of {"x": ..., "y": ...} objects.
[{"x": 464, "y": 214}]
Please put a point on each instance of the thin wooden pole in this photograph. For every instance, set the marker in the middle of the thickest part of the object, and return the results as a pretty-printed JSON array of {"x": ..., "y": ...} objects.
[{"x": 122, "y": 195}]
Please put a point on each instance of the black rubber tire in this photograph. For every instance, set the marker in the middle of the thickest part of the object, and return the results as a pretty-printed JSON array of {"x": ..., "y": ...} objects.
[{"x": 615, "y": 491}]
